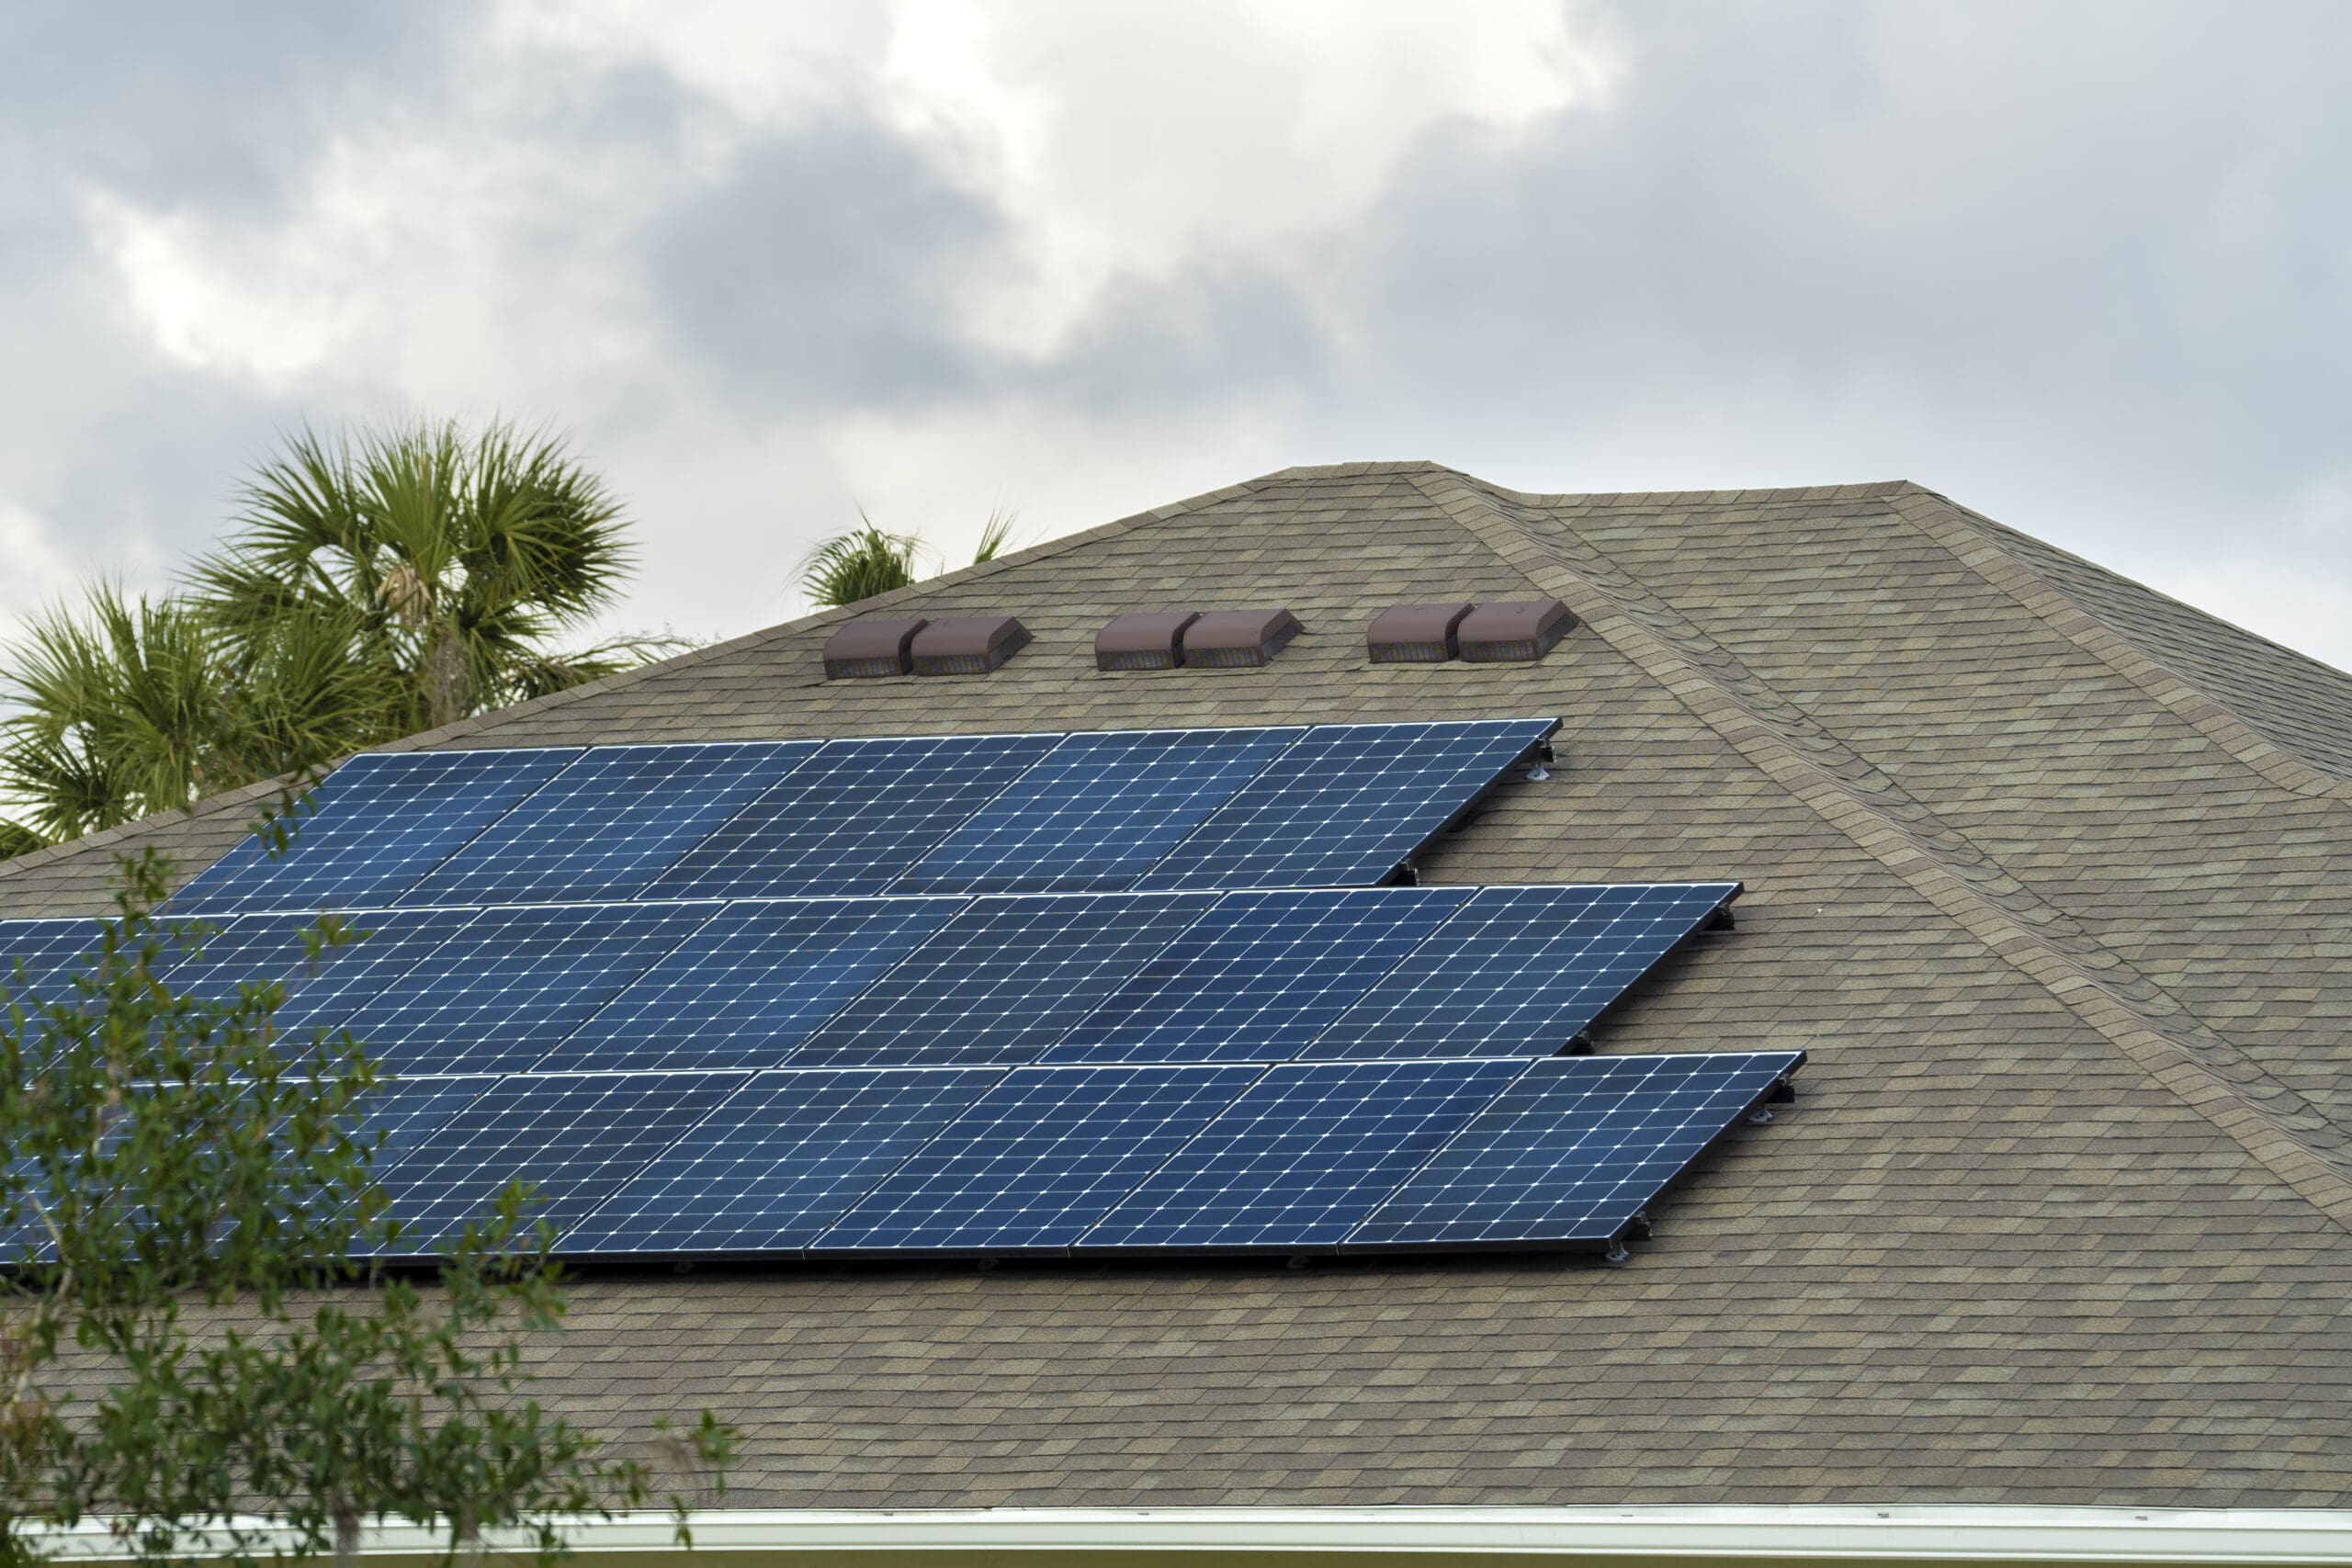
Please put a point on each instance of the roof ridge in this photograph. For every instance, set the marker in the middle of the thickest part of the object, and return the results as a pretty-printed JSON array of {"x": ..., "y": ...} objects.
[
  {"x": 2273, "y": 1122},
  {"x": 1975, "y": 541}
]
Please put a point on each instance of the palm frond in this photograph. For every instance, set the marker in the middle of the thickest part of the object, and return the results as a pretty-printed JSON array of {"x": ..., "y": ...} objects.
[
  {"x": 859, "y": 564},
  {"x": 995, "y": 534}
]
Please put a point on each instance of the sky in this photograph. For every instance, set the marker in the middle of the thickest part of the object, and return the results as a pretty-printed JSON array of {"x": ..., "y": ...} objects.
[{"x": 2084, "y": 268}]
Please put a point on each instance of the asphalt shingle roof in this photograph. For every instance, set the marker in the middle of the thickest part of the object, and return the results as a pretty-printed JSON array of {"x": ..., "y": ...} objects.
[{"x": 2051, "y": 875}]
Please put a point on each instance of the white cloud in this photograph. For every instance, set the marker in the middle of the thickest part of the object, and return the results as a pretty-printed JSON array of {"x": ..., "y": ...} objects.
[{"x": 39, "y": 571}]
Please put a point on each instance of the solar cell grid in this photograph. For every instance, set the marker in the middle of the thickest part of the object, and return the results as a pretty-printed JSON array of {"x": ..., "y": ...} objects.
[
  {"x": 751, "y": 985},
  {"x": 852, "y": 818},
  {"x": 408, "y": 1111},
  {"x": 50, "y": 952},
  {"x": 1521, "y": 970},
  {"x": 1038, "y": 1160},
  {"x": 377, "y": 824},
  {"x": 1259, "y": 975},
  {"x": 389, "y": 944},
  {"x": 506, "y": 985},
  {"x": 215, "y": 959},
  {"x": 1346, "y": 804},
  {"x": 1096, "y": 811},
  {"x": 1001, "y": 981},
  {"x": 579, "y": 1137},
  {"x": 612, "y": 822},
  {"x": 779, "y": 1161},
  {"x": 1303, "y": 1157},
  {"x": 1574, "y": 1150}
]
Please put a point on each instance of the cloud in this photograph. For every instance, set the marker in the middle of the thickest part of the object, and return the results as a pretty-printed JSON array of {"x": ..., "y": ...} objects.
[{"x": 2084, "y": 267}]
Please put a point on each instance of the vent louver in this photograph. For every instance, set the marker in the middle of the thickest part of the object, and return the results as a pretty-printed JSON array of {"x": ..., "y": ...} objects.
[
  {"x": 871, "y": 646},
  {"x": 1514, "y": 632},
  {"x": 1153, "y": 640},
  {"x": 1239, "y": 639},
  {"x": 967, "y": 645},
  {"x": 1415, "y": 634}
]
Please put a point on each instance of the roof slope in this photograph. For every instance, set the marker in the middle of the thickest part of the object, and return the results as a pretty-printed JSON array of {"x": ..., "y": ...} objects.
[{"x": 2049, "y": 874}]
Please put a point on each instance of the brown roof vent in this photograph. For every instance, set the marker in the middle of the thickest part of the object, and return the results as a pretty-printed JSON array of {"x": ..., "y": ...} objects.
[
  {"x": 1154, "y": 640},
  {"x": 1519, "y": 630},
  {"x": 1234, "y": 638},
  {"x": 870, "y": 646},
  {"x": 967, "y": 645},
  {"x": 1414, "y": 633}
]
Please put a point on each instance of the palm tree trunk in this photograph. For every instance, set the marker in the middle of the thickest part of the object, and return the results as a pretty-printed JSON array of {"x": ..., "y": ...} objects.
[{"x": 445, "y": 683}]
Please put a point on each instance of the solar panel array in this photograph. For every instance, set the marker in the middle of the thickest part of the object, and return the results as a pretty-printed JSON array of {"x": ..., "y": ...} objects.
[{"x": 1125, "y": 992}]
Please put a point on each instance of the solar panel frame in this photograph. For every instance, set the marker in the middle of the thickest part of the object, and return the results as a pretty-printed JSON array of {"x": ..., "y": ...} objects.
[
  {"x": 1302, "y": 1158},
  {"x": 1571, "y": 1156},
  {"x": 1034, "y": 1163},
  {"x": 609, "y": 823},
  {"x": 1001, "y": 981},
  {"x": 372, "y": 829},
  {"x": 852, "y": 819},
  {"x": 751, "y": 985},
  {"x": 819, "y": 1139},
  {"x": 1260, "y": 975},
  {"x": 1097, "y": 811},
  {"x": 1347, "y": 804},
  {"x": 579, "y": 1136},
  {"x": 1522, "y": 970}
]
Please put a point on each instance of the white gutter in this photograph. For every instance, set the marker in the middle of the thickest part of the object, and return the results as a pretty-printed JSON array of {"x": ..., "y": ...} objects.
[{"x": 1825, "y": 1533}]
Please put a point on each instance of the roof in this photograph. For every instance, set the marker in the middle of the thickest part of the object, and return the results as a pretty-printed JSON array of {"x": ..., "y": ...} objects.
[{"x": 2050, "y": 875}]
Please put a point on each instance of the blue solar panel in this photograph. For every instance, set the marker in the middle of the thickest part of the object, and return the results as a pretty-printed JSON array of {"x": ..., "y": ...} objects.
[
  {"x": 389, "y": 944},
  {"x": 753, "y": 983},
  {"x": 1347, "y": 805},
  {"x": 850, "y": 820},
  {"x": 1260, "y": 975},
  {"x": 578, "y": 1136},
  {"x": 511, "y": 983},
  {"x": 1038, "y": 1160},
  {"x": 1522, "y": 969},
  {"x": 609, "y": 823},
  {"x": 1002, "y": 980},
  {"x": 777, "y": 1163},
  {"x": 1575, "y": 1150},
  {"x": 50, "y": 951},
  {"x": 1097, "y": 811},
  {"x": 379, "y": 822},
  {"x": 408, "y": 1111},
  {"x": 1304, "y": 1158},
  {"x": 214, "y": 961}
]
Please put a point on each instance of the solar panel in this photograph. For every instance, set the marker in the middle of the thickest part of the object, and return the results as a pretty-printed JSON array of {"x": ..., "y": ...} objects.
[
  {"x": 1038, "y": 1160},
  {"x": 378, "y": 823},
  {"x": 509, "y": 984},
  {"x": 1002, "y": 980},
  {"x": 578, "y": 1136},
  {"x": 1521, "y": 970},
  {"x": 1347, "y": 805},
  {"x": 1575, "y": 1150},
  {"x": 852, "y": 818},
  {"x": 408, "y": 1111},
  {"x": 1304, "y": 1158},
  {"x": 753, "y": 983},
  {"x": 1260, "y": 975},
  {"x": 1096, "y": 811},
  {"x": 608, "y": 824},
  {"x": 390, "y": 943},
  {"x": 768, "y": 1171},
  {"x": 51, "y": 951},
  {"x": 212, "y": 961}
]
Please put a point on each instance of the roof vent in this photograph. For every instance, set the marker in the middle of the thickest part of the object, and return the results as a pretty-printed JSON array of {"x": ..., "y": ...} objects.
[
  {"x": 1150, "y": 641},
  {"x": 1516, "y": 631},
  {"x": 1233, "y": 637},
  {"x": 870, "y": 646},
  {"x": 967, "y": 645},
  {"x": 1414, "y": 633}
]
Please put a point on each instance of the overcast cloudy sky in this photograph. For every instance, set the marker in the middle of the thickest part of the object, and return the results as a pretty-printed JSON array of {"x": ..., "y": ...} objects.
[{"x": 2086, "y": 267}]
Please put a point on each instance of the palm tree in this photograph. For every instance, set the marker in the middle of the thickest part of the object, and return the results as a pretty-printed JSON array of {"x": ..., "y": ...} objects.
[
  {"x": 380, "y": 584},
  {"x": 868, "y": 560},
  {"x": 449, "y": 561}
]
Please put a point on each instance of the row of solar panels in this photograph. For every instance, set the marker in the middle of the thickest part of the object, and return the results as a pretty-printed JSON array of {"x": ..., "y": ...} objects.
[
  {"x": 1294, "y": 806},
  {"x": 1322, "y": 974},
  {"x": 1563, "y": 1152}
]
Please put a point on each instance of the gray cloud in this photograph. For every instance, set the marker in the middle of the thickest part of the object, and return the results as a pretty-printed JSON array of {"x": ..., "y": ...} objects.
[{"x": 2086, "y": 267}]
